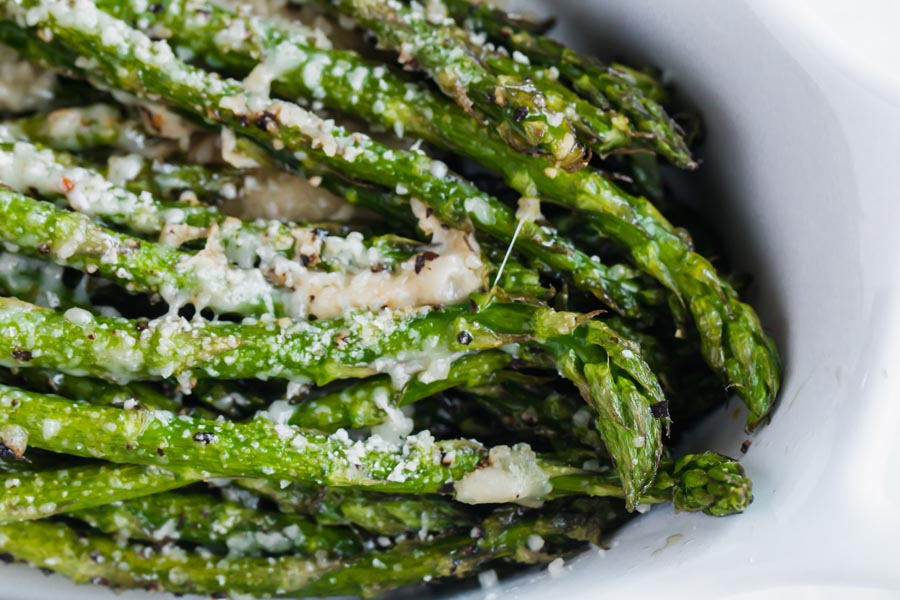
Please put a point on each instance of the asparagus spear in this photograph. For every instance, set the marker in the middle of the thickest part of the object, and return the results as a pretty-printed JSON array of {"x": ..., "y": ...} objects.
[
  {"x": 305, "y": 141},
  {"x": 733, "y": 341},
  {"x": 514, "y": 106},
  {"x": 40, "y": 494},
  {"x": 29, "y": 168},
  {"x": 464, "y": 469},
  {"x": 217, "y": 525},
  {"x": 419, "y": 465},
  {"x": 602, "y": 84},
  {"x": 707, "y": 482},
  {"x": 373, "y": 401},
  {"x": 538, "y": 409},
  {"x": 96, "y": 391},
  {"x": 381, "y": 514},
  {"x": 98, "y": 559},
  {"x": 72, "y": 239},
  {"x": 97, "y": 126},
  {"x": 402, "y": 343},
  {"x": 609, "y": 371}
]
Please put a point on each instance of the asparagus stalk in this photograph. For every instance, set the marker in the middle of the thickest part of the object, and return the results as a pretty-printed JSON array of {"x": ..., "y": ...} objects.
[
  {"x": 28, "y": 168},
  {"x": 602, "y": 84},
  {"x": 381, "y": 514},
  {"x": 609, "y": 371},
  {"x": 72, "y": 239},
  {"x": 733, "y": 342},
  {"x": 603, "y": 132},
  {"x": 464, "y": 469},
  {"x": 98, "y": 559},
  {"x": 217, "y": 525},
  {"x": 40, "y": 494},
  {"x": 402, "y": 343},
  {"x": 373, "y": 401},
  {"x": 540, "y": 410},
  {"x": 514, "y": 106},
  {"x": 707, "y": 482},
  {"x": 85, "y": 389},
  {"x": 302, "y": 140},
  {"x": 419, "y": 465}
]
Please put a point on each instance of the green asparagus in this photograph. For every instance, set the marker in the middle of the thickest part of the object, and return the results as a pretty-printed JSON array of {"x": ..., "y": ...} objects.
[
  {"x": 514, "y": 106},
  {"x": 221, "y": 526},
  {"x": 303, "y": 140},
  {"x": 601, "y": 84},
  {"x": 99, "y": 560},
  {"x": 382, "y": 514},
  {"x": 40, "y": 494},
  {"x": 733, "y": 342}
]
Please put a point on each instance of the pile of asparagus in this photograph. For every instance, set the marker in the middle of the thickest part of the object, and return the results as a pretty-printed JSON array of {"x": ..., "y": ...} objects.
[{"x": 479, "y": 365}]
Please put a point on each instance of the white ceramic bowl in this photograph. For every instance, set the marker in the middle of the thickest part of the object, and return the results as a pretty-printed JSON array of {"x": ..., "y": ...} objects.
[{"x": 801, "y": 102}]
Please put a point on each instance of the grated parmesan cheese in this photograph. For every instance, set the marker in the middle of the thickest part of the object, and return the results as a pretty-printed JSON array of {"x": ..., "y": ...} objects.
[{"x": 512, "y": 475}]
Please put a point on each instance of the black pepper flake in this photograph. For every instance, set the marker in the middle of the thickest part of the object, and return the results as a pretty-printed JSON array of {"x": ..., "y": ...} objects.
[
  {"x": 428, "y": 212},
  {"x": 8, "y": 454},
  {"x": 446, "y": 489},
  {"x": 423, "y": 258},
  {"x": 305, "y": 260},
  {"x": 464, "y": 338},
  {"x": 660, "y": 410},
  {"x": 19, "y": 354},
  {"x": 745, "y": 446},
  {"x": 96, "y": 556},
  {"x": 43, "y": 248},
  {"x": 141, "y": 325},
  {"x": 520, "y": 113},
  {"x": 155, "y": 8},
  {"x": 129, "y": 447},
  {"x": 266, "y": 121},
  {"x": 204, "y": 437},
  {"x": 160, "y": 451},
  {"x": 46, "y": 571},
  {"x": 378, "y": 268}
]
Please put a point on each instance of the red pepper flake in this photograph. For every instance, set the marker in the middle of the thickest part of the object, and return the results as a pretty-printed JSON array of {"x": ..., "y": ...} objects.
[{"x": 68, "y": 184}]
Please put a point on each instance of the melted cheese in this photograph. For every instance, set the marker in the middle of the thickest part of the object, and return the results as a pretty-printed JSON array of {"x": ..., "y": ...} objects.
[{"x": 512, "y": 475}]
